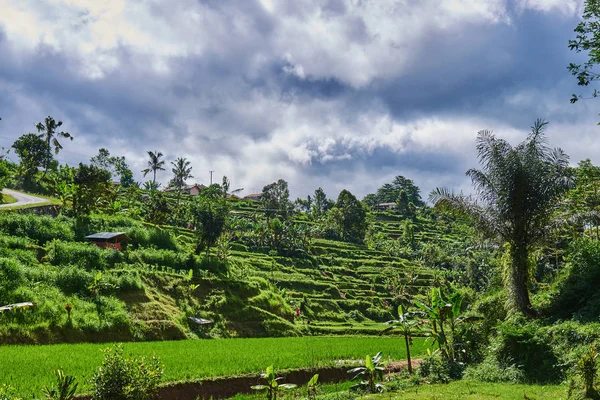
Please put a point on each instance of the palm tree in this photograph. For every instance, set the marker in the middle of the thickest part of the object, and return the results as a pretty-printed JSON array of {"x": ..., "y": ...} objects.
[
  {"x": 154, "y": 164},
  {"x": 47, "y": 131},
  {"x": 518, "y": 190},
  {"x": 182, "y": 171}
]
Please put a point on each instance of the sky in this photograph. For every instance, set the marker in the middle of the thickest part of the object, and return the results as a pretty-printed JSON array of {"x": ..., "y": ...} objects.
[{"x": 338, "y": 94}]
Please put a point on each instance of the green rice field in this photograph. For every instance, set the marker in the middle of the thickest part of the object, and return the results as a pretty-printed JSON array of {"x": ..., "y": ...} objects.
[{"x": 29, "y": 368}]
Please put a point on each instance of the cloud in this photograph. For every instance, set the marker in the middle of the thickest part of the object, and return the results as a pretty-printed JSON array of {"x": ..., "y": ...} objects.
[{"x": 331, "y": 93}]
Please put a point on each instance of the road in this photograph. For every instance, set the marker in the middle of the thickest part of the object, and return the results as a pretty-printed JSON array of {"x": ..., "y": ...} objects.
[{"x": 22, "y": 199}]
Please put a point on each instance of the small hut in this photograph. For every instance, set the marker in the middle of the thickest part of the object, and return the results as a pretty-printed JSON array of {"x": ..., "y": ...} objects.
[{"x": 109, "y": 240}]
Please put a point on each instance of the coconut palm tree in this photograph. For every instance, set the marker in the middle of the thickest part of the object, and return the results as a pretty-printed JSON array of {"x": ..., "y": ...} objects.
[
  {"x": 518, "y": 189},
  {"x": 182, "y": 171},
  {"x": 154, "y": 164},
  {"x": 47, "y": 131}
]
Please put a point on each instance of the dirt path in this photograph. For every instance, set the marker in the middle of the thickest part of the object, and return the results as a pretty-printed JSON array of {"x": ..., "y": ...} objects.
[{"x": 22, "y": 199}]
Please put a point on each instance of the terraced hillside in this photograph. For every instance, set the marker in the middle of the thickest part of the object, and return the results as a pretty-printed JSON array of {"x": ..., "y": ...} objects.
[{"x": 150, "y": 291}]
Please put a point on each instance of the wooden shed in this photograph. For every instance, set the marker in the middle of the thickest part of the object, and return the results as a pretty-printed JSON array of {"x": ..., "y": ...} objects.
[{"x": 109, "y": 240}]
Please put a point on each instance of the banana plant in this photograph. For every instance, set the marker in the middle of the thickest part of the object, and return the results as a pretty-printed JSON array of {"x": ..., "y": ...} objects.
[
  {"x": 443, "y": 313},
  {"x": 371, "y": 375},
  {"x": 272, "y": 384},
  {"x": 311, "y": 387},
  {"x": 406, "y": 324}
]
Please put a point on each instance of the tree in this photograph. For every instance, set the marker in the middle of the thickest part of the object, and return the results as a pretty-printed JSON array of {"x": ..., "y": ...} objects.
[
  {"x": 518, "y": 189},
  {"x": 33, "y": 153},
  {"x": 407, "y": 324},
  {"x": 182, "y": 171},
  {"x": 276, "y": 199},
  {"x": 209, "y": 212},
  {"x": 413, "y": 192},
  {"x": 370, "y": 200},
  {"x": 93, "y": 188},
  {"x": 156, "y": 208},
  {"x": 404, "y": 206},
  {"x": 587, "y": 38},
  {"x": 47, "y": 132},
  {"x": 320, "y": 203},
  {"x": 115, "y": 165},
  {"x": 154, "y": 164},
  {"x": 351, "y": 217}
]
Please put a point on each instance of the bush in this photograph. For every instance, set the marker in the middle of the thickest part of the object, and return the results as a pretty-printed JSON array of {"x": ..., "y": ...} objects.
[
  {"x": 40, "y": 228},
  {"x": 73, "y": 280},
  {"x": 436, "y": 370},
  {"x": 12, "y": 276},
  {"x": 84, "y": 255},
  {"x": 576, "y": 290},
  {"x": 122, "y": 378},
  {"x": 519, "y": 343},
  {"x": 491, "y": 371},
  {"x": 162, "y": 258}
]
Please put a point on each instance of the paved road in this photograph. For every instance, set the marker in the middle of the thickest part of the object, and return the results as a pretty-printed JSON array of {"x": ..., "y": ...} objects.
[{"x": 22, "y": 199}]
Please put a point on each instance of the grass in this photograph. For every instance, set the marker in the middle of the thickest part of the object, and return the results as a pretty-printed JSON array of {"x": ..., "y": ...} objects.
[
  {"x": 7, "y": 199},
  {"x": 29, "y": 368},
  {"x": 458, "y": 390},
  {"x": 468, "y": 390}
]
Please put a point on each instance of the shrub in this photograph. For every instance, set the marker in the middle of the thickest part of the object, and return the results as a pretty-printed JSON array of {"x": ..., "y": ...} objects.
[
  {"x": 84, "y": 255},
  {"x": 73, "y": 280},
  {"x": 123, "y": 378},
  {"x": 519, "y": 343},
  {"x": 12, "y": 276},
  {"x": 162, "y": 258},
  {"x": 436, "y": 370},
  {"x": 491, "y": 371},
  {"x": 40, "y": 228}
]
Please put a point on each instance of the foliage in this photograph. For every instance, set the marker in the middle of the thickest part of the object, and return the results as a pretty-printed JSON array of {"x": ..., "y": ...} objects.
[
  {"x": 93, "y": 189},
  {"x": 312, "y": 387},
  {"x": 437, "y": 369},
  {"x": 272, "y": 384},
  {"x": 588, "y": 369},
  {"x": 370, "y": 375},
  {"x": 520, "y": 343},
  {"x": 115, "y": 165},
  {"x": 575, "y": 291},
  {"x": 65, "y": 387},
  {"x": 157, "y": 209},
  {"x": 349, "y": 218},
  {"x": 123, "y": 378},
  {"x": 518, "y": 188},
  {"x": 210, "y": 212},
  {"x": 407, "y": 325},
  {"x": 276, "y": 199},
  {"x": 33, "y": 153},
  {"x": 587, "y": 39},
  {"x": 154, "y": 164}
]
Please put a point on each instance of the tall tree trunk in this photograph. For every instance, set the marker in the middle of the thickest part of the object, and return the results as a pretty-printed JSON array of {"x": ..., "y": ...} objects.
[{"x": 519, "y": 280}]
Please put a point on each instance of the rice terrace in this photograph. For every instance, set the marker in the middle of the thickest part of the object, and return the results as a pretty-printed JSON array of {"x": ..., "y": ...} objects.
[{"x": 268, "y": 199}]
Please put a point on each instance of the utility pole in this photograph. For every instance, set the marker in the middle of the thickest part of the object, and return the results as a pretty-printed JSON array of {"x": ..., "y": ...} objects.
[{"x": 211, "y": 176}]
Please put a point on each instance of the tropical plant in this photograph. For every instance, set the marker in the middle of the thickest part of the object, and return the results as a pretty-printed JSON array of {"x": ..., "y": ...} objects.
[
  {"x": 407, "y": 325},
  {"x": 182, "y": 171},
  {"x": 65, "y": 387},
  {"x": 518, "y": 188},
  {"x": 123, "y": 378},
  {"x": 312, "y": 388},
  {"x": 273, "y": 384},
  {"x": 370, "y": 375},
  {"x": 154, "y": 164},
  {"x": 588, "y": 368},
  {"x": 443, "y": 321},
  {"x": 33, "y": 153},
  {"x": 47, "y": 132},
  {"x": 210, "y": 212}
]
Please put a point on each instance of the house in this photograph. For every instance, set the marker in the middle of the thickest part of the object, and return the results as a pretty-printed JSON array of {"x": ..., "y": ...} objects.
[
  {"x": 254, "y": 196},
  {"x": 385, "y": 206},
  {"x": 109, "y": 240},
  {"x": 192, "y": 190}
]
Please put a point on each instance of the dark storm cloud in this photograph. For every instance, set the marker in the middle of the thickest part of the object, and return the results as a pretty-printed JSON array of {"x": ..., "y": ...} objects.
[{"x": 327, "y": 93}]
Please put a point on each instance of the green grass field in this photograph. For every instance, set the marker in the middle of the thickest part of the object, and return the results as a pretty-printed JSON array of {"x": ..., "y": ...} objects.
[{"x": 29, "y": 368}]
